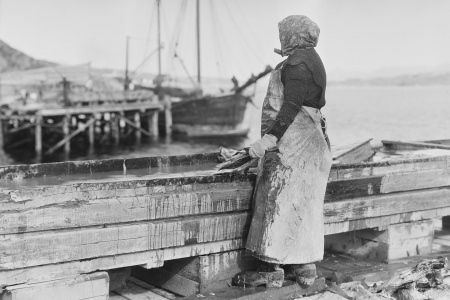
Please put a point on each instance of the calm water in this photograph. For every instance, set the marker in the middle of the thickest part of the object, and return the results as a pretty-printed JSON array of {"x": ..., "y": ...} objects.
[{"x": 353, "y": 114}]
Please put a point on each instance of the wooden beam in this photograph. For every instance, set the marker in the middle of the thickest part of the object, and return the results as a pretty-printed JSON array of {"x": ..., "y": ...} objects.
[
  {"x": 353, "y": 153},
  {"x": 399, "y": 145},
  {"x": 23, "y": 127},
  {"x": 115, "y": 129},
  {"x": 135, "y": 126},
  {"x": 81, "y": 287},
  {"x": 137, "y": 123},
  {"x": 168, "y": 115},
  {"x": 2, "y": 135},
  {"x": 125, "y": 205},
  {"x": 66, "y": 133},
  {"x": 69, "y": 137},
  {"x": 100, "y": 109},
  {"x": 153, "y": 123},
  {"x": 155, "y": 257},
  {"x": 38, "y": 136},
  {"x": 91, "y": 134},
  {"x": 32, "y": 249}
]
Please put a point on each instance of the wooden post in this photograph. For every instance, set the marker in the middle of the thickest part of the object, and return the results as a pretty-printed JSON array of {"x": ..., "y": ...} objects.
[
  {"x": 153, "y": 123},
  {"x": 137, "y": 122},
  {"x": 1, "y": 135},
  {"x": 168, "y": 114},
  {"x": 91, "y": 133},
  {"x": 115, "y": 128},
  {"x": 66, "y": 132},
  {"x": 38, "y": 137}
]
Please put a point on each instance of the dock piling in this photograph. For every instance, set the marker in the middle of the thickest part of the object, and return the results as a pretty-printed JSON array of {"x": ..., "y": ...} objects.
[
  {"x": 168, "y": 114},
  {"x": 38, "y": 137}
]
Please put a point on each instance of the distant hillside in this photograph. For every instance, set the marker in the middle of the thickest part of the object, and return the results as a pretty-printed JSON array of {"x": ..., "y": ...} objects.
[
  {"x": 400, "y": 80},
  {"x": 14, "y": 60}
]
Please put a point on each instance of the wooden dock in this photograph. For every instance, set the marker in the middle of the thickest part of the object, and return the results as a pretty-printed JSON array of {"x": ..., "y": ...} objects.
[
  {"x": 84, "y": 123},
  {"x": 65, "y": 223}
]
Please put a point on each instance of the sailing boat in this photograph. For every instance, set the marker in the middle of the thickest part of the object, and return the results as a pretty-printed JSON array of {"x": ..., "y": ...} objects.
[{"x": 197, "y": 115}]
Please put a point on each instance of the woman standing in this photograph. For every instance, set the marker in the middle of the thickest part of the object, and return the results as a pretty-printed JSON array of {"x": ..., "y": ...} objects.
[{"x": 287, "y": 226}]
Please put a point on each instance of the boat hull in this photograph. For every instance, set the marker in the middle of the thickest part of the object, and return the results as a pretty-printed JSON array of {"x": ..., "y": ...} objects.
[{"x": 211, "y": 116}]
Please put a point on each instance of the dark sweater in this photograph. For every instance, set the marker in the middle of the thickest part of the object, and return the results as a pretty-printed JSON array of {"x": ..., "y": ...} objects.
[{"x": 301, "y": 87}]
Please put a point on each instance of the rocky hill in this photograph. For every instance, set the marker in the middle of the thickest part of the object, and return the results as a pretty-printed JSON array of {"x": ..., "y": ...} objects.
[{"x": 14, "y": 60}]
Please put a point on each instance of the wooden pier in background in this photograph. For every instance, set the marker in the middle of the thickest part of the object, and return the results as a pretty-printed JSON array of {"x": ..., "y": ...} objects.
[{"x": 100, "y": 120}]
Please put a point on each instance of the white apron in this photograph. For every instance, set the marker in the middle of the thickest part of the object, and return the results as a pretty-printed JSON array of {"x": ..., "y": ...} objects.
[{"x": 287, "y": 225}]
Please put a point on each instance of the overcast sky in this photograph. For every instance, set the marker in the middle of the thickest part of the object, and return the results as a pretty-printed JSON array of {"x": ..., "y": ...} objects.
[{"x": 238, "y": 36}]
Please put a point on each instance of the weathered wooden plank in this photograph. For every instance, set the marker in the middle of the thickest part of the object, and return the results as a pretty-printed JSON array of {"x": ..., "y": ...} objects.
[
  {"x": 386, "y": 204},
  {"x": 353, "y": 153},
  {"x": 105, "y": 165},
  {"x": 345, "y": 171},
  {"x": 27, "y": 198},
  {"x": 73, "y": 214},
  {"x": 152, "y": 258},
  {"x": 400, "y": 145},
  {"x": 83, "y": 287},
  {"x": 406, "y": 181},
  {"x": 31, "y": 249},
  {"x": 352, "y": 188},
  {"x": 384, "y": 221}
]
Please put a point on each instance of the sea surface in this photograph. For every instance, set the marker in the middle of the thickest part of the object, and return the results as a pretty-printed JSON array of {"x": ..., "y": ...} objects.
[{"x": 353, "y": 114}]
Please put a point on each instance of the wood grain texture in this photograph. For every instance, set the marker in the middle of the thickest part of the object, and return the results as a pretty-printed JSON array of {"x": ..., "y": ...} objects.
[
  {"x": 354, "y": 153},
  {"x": 400, "y": 145},
  {"x": 127, "y": 205},
  {"x": 384, "y": 221},
  {"x": 83, "y": 287},
  {"x": 154, "y": 258},
  {"x": 29, "y": 249},
  {"x": 398, "y": 240},
  {"x": 386, "y": 204}
]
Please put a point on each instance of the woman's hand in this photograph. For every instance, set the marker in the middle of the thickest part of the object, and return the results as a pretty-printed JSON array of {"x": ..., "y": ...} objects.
[{"x": 259, "y": 148}]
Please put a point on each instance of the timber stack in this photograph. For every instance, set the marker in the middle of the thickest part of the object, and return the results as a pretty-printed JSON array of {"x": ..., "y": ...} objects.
[{"x": 68, "y": 227}]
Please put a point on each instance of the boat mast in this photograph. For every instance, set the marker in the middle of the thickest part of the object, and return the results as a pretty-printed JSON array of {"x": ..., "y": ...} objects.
[
  {"x": 125, "y": 86},
  {"x": 159, "y": 36},
  {"x": 198, "y": 43}
]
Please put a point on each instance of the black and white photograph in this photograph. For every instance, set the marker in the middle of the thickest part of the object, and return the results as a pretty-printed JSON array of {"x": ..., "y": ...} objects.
[{"x": 224, "y": 149}]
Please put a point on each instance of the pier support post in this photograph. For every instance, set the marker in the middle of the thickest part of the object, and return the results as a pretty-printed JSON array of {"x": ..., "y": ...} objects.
[
  {"x": 38, "y": 137},
  {"x": 115, "y": 129},
  {"x": 168, "y": 114},
  {"x": 137, "y": 122},
  {"x": 153, "y": 123},
  {"x": 2, "y": 142},
  {"x": 396, "y": 241},
  {"x": 91, "y": 133},
  {"x": 66, "y": 132}
]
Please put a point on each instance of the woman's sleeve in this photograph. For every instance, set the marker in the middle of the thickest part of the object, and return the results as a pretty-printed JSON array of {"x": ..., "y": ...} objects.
[{"x": 297, "y": 84}]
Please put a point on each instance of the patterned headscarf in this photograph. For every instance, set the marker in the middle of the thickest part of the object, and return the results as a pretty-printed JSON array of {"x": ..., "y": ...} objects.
[{"x": 297, "y": 32}]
